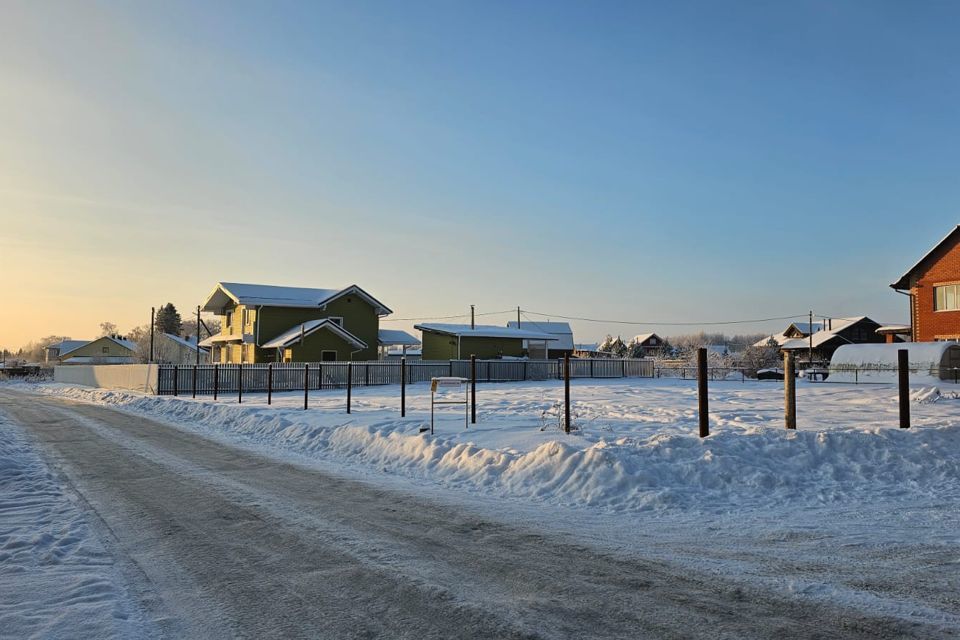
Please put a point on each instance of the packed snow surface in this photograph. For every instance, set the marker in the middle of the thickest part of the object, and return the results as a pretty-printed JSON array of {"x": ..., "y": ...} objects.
[
  {"x": 56, "y": 578},
  {"x": 636, "y": 448}
]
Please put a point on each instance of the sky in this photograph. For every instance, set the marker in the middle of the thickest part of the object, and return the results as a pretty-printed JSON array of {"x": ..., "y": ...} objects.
[{"x": 682, "y": 162}]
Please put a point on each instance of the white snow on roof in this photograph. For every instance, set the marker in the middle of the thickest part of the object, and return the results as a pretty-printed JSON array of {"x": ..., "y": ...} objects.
[
  {"x": 221, "y": 337},
  {"x": 190, "y": 343},
  {"x": 66, "y": 346},
  {"x": 560, "y": 330},
  {"x": 390, "y": 337},
  {"x": 778, "y": 338},
  {"x": 894, "y": 328},
  {"x": 484, "y": 331},
  {"x": 804, "y": 327},
  {"x": 292, "y": 335},
  {"x": 925, "y": 360},
  {"x": 275, "y": 296},
  {"x": 923, "y": 354},
  {"x": 100, "y": 360},
  {"x": 823, "y": 336},
  {"x": 269, "y": 295}
]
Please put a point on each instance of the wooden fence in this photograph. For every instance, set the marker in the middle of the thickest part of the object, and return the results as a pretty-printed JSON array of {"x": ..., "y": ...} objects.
[{"x": 295, "y": 376}]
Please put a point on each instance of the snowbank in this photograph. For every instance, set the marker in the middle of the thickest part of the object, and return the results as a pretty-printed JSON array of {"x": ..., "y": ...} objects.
[
  {"x": 633, "y": 470},
  {"x": 56, "y": 580}
]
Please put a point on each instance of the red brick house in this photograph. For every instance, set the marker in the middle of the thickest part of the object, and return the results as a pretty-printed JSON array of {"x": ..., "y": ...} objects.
[{"x": 933, "y": 285}]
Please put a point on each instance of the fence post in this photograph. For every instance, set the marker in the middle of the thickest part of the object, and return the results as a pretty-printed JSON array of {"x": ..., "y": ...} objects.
[
  {"x": 473, "y": 389},
  {"x": 566, "y": 363},
  {"x": 366, "y": 374},
  {"x": 903, "y": 364},
  {"x": 216, "y": 380},
  {"x": 451, "y": 368},
  {"x": 623, "y": 368},
  {"x": 856, "y": 375},
  {"x": 176, "y": 375},
  {"x": 194, "y": 381},
  {"x": 270, "y": 383},
  {"x": 240, "y": 383},
  {"x": 403, "y": 386},
  {"x": 306, "y": 385},
  {"x": 524, "y": 370},
  {"x": 789, "y": 391},
  {"x": 350, "y": 382},
  {"x": 702, "y": 392},
  {"x": 566, "y": 392}
]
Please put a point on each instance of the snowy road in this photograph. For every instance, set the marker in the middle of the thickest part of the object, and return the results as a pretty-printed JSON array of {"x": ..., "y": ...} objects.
[{"x": 220, "y": 542}]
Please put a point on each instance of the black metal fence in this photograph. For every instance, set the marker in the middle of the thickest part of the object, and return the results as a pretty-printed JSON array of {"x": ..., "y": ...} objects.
[{"x": 279, "y": 377}]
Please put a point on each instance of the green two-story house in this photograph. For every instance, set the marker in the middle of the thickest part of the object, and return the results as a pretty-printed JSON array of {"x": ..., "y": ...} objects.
[{"x": 264, "y": 323}]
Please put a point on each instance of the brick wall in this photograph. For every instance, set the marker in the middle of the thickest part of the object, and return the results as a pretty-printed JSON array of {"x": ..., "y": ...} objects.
[{"x": 931, "y": 325}]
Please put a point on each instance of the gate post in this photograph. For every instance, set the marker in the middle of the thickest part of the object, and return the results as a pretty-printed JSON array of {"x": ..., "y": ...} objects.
[
  {"x": 473, "y": 389},
  {"x": 270, "y": 383},
  {"x": 566, "y": 392},
  {"x": 306, "y": 385},
  {"x": 703, "y": 404},
  {"x": 789, "y": 390},
  {"x": 903, "y": 364}
]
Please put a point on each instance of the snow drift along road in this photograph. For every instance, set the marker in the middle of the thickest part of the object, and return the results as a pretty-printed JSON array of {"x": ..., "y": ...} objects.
[{"x": 733, "y": 468}]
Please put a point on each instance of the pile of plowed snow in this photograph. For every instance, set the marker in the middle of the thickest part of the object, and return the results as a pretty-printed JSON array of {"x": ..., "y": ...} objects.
[{"x": 734, "y": 467}]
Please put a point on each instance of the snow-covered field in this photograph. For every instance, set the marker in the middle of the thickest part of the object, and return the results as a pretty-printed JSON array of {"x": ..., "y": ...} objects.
[
  {"x": 56, "y": 578},
  {"x": 636, "y": 450}
]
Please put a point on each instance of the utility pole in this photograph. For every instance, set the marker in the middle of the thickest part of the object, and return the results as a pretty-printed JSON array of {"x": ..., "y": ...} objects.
[
  {"x": 198, "y": 341},
  {"x": 810, "y": 348},
  {"x": 472, "y": 322},
  {"x": 153, "y": 313}
]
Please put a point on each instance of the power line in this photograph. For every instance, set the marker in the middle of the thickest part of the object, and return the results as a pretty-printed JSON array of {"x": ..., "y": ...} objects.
[
  {"x": 462, "y": 315},
  {"x": 675, "y": 324}
]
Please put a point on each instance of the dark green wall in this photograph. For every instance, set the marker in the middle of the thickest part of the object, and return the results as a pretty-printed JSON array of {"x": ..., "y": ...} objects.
[
  {"x": 315, "y": 344},
  {"x": 359, "y": 318},
  {"x": 442, "y": 347}
]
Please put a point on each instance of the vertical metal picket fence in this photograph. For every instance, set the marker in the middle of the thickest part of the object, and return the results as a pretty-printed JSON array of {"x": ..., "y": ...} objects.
[{"x": 205, "y": 379}]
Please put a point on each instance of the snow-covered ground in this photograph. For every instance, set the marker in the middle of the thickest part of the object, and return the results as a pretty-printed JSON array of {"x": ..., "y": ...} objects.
[
  {"x": 56, "y": 578},
  {"x": 637, "y": 448},
  {"x": 837, "y": 511}
]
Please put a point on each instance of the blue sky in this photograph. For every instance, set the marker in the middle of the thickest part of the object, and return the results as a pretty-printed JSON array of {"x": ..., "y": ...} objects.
[{"x": 689, "y": 162}]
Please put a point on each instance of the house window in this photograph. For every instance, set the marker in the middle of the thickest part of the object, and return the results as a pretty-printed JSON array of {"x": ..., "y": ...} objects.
[
  {"x": 946, "y": 297},
  {"x": 229, "y": 319},
  {"x": 328, "y": 356},
  {"x": 105, "y": 349}
]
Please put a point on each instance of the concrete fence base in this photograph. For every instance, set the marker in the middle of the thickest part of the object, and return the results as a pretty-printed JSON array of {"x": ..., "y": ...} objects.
[{"x": 130, "y": 377}]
